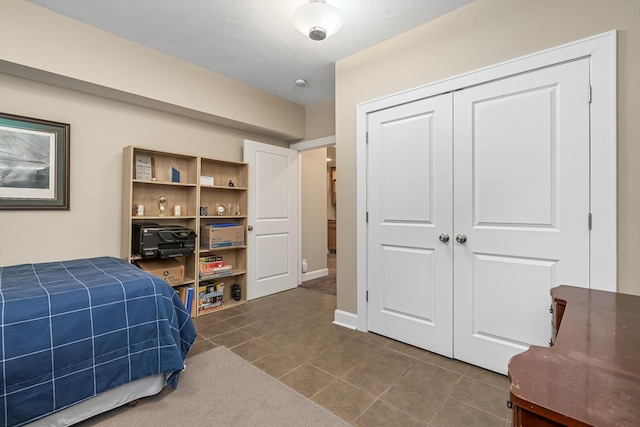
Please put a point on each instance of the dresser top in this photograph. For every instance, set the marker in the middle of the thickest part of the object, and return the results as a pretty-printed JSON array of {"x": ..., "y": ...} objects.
[{"x": 592, "y": 374}]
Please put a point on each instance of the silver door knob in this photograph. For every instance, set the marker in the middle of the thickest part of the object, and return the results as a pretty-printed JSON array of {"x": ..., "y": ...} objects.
[
  {"x": 444, "y": 237},
  {"x": 461, "y": 238},
  {"x": 250, "y": 227}
]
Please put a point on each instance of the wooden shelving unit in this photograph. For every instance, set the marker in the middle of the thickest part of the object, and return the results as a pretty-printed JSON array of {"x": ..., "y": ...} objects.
[{"x": 229, "y": 191}]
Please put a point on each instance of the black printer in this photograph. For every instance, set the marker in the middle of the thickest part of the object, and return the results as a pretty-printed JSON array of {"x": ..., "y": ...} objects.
[{"x": 152, "y": 240}]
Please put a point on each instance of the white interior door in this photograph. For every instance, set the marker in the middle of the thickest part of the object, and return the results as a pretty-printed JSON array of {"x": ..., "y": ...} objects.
[
  {"x": 522, "y": 201},
  {"x": 272, "y": 218},
  {"x": 410, "y": 203}
]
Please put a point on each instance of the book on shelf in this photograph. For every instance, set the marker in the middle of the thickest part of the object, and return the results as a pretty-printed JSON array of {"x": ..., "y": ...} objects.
[
  {"x": 182, "y": 293},
  {"x": 209, "y": 290},
  {"x": 210, "y": 297},
  {"x": 205, "y": 308},
  {"x": 211, "y": 264},
  {"x": 216, "y": 275},
  {"x": 210, "y": 258},
  {"x": 213, "y": 269},
  {"x": 189, "y": 305},
  {"x": 212, "y": 273}
]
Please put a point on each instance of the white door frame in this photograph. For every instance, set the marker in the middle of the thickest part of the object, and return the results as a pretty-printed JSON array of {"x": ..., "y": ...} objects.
[
  {"x": 601, "y": 49},
  {"x": 301, "y": 146}
]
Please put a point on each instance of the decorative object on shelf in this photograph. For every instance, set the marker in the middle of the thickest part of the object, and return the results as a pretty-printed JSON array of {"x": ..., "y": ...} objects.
[
  {"x": 139, "y": 210},
  {"x": 175, "y": 174},
  {"x": 162, "y": 205},
  {"x": 177, "y": 210},
  {"x": 204, "y": 211},
  {"x": 317, "y": 19},
  {"x": 237, "y": 209},
  {"x": 220, "y": 209},
  {"x": 34, "y": 169},
  {"x": 144, "y": 167},
  {"x": 231, "y": 184},
  {"x": 206, "y": 180},
  {"x": 236, "y": 292}
]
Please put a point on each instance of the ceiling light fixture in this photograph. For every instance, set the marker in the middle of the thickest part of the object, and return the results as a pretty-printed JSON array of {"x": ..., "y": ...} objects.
[
  {"x": 301, "y": 82},
  {"x": 317, "y": 19}
]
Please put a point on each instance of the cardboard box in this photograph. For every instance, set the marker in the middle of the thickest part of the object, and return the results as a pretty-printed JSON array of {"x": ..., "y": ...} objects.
[
  {"x": 220, "y": 237},
  {"x": 170, "y": 270}
]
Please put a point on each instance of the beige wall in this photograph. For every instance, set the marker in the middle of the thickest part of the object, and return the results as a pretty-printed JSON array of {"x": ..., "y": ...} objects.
[
  {"x": 478, "y": 35},
  {"x": 187, "y": 105},
  {"x": 320, "y": 119},
  {"x": 100, "y": 128},
  {"x": 314, "y": 208},
  {"x": 39, "y": 44}
]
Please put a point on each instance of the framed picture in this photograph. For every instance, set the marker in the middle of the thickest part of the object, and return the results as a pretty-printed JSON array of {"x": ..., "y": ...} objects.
[
  {"x": 144, "y": 167},
  {"x": 34, "y": 163}
]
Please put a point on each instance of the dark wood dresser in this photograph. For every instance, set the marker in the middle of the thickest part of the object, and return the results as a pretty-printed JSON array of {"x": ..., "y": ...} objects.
[{"x": 591, "y": 374}]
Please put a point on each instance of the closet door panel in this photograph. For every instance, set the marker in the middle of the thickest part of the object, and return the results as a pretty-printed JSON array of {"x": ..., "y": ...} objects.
[
  {"x": 409, "y": 203},
  {"x": 515, "y": 158},
  {"x": 521, "y": 190}
]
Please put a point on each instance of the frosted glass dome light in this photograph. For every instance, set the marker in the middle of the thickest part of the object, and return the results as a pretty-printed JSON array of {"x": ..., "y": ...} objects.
[{"x": 317, "y": 19}]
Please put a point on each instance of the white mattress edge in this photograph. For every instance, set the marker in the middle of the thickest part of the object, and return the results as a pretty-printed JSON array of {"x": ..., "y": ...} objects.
[{"x": 103, "y": 402}]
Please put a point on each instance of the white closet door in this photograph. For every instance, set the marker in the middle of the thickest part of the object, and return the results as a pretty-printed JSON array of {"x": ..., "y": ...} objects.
[
  {"x": 522, "y": 201},
  {"x": 410, "y": 201}
]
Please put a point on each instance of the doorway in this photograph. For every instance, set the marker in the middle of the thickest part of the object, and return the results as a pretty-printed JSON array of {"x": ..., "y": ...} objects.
[{"x": 318, "y": 214}]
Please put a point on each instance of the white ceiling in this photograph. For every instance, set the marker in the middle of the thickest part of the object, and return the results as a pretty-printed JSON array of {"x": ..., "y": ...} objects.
[{"x": 254, "y": 41}]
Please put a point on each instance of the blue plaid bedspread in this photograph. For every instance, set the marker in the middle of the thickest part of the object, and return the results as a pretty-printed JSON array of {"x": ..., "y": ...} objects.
[{"x": 70, "y": 330}]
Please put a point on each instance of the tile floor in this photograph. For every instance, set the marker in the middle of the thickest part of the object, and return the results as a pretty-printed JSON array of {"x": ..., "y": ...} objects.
[{"x": 364, "y": 378}]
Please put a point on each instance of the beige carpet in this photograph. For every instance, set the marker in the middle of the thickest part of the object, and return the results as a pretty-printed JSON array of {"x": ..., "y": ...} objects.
[{"x": 219, "y": 388}]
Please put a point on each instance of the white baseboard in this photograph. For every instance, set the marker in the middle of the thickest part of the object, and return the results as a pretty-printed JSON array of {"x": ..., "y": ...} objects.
[
  {"x": 345, "y": 319},
  {"x": 310, "y": 275}
]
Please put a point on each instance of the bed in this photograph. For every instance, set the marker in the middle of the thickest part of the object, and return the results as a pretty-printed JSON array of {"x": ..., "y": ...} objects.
[{"x": 82, "y": 336}]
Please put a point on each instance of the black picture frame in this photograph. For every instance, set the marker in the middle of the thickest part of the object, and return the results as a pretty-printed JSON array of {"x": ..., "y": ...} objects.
[{"x": 34, "y": 163}]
